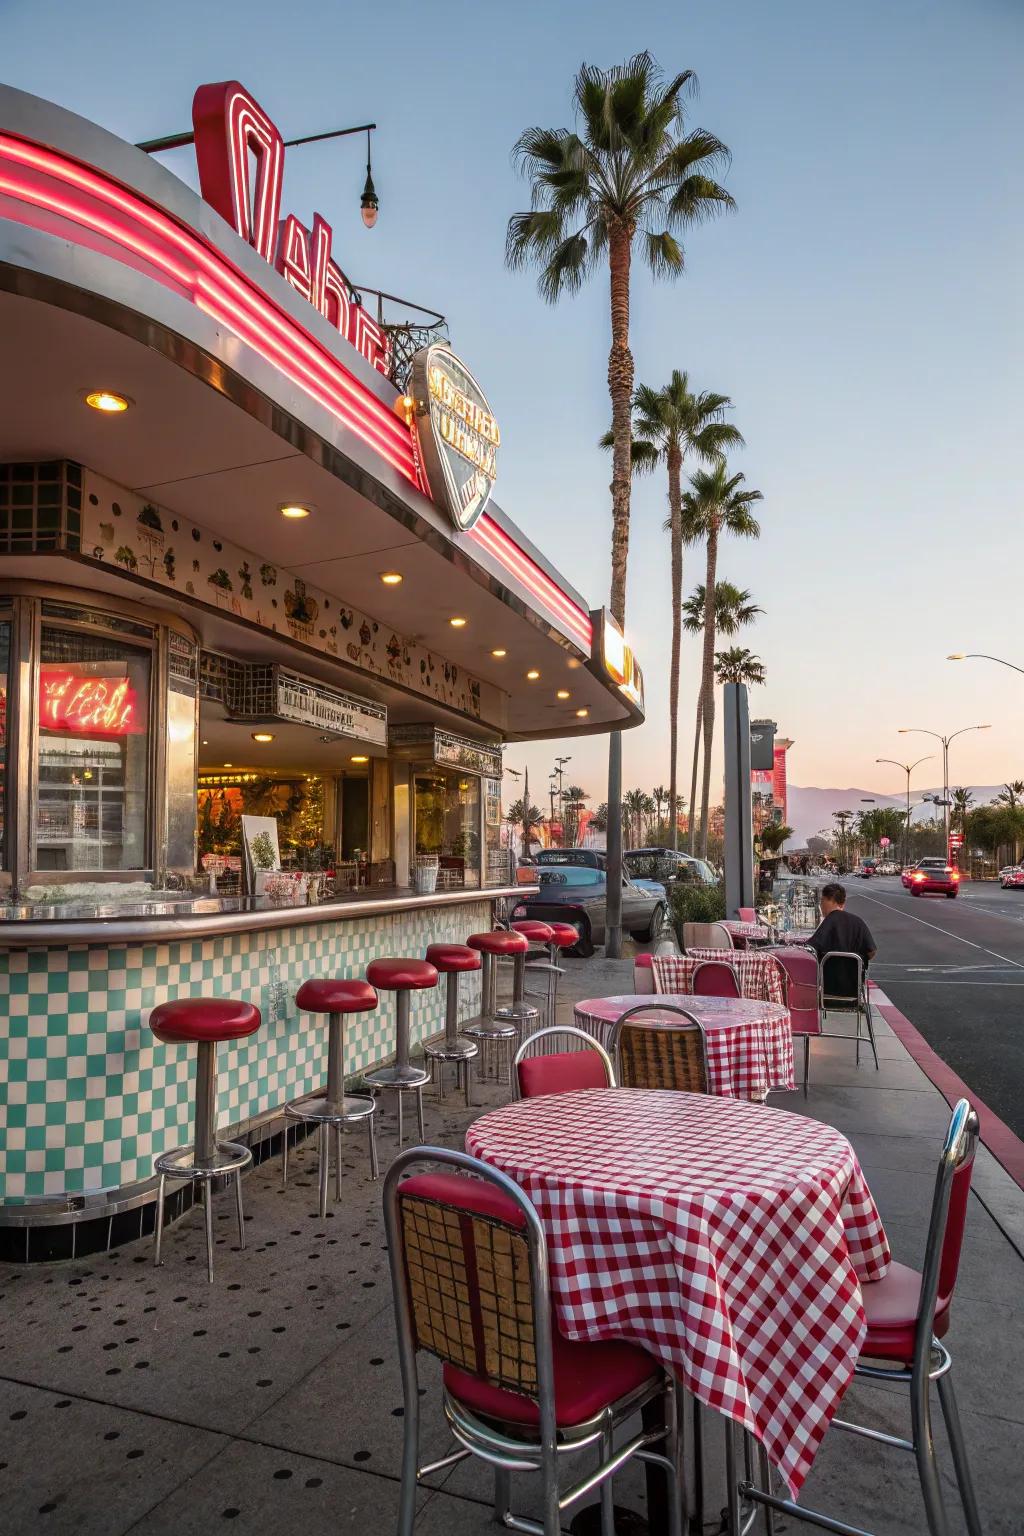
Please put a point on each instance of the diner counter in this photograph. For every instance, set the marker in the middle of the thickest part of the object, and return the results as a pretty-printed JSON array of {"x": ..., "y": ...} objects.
[
  {"x": 92, "y": 1097},
  {"x": 164, "y": 917}
]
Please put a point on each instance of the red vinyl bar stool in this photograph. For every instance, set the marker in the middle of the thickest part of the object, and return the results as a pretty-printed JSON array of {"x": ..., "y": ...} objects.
[
  {"x": 498, "y": 1032},
  {"x": 401, "y": 977},
  {"x": 543, "y": 936},
  {"x": 203, "y": 1022},
  {"x": 331, "y": 1107},
  {"x": 451, "y": 960},
  {"x": 563, "y": 936}
]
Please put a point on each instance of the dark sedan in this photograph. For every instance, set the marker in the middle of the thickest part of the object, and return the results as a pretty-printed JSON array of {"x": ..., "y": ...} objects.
[{"x": 578, "y": 895}]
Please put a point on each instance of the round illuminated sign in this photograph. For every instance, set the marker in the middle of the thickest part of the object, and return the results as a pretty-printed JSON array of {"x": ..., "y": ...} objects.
[{"x": 457, "y": 435}]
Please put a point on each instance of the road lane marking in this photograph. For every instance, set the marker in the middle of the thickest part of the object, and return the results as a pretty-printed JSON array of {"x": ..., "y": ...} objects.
[{"x": 1017, "y": 964}]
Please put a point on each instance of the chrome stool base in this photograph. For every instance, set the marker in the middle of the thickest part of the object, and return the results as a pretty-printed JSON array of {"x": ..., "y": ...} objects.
[
  {"x": 461, "y": 1052},
  {"x": 227, "y": 1159},
  {"x": 401, "y": 1080},
  {"x": 498, "y": 1041},
  {"x": 325, "y": 1113}
]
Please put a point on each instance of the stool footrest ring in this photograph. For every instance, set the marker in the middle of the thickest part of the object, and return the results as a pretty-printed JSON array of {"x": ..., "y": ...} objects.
[
  {"x": 317, "y": 1107},
  {"x": 229, "y": 1157}
]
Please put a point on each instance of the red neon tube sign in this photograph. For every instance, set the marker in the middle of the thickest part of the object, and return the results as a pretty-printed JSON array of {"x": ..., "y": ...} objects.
[{"x": 93, "y": 706}]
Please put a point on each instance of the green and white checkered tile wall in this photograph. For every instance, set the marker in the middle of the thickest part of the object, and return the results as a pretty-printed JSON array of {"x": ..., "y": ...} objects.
[{"x": 91, "y": 1098}]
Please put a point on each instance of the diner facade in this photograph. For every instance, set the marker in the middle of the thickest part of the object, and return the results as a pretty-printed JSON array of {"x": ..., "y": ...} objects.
[{"x": 264, "y": 635}]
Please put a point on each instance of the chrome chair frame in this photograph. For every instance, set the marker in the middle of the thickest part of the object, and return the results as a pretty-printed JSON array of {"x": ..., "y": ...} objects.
[
  {"x": 931, "y": 1362},
  {"x": 657, "y": 1007},
  {"x": 552, "y": 1030},
  {"x": 691, "y": 940},
  {"x": 477, "y": 1436},
  {"x": 861, "y": 1004}
]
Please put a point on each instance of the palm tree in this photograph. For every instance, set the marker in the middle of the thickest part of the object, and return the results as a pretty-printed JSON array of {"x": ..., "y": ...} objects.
[
  {"x": 668, "y": 424},
  {"x": 660, "y": 796},
  {"x": 635, "y": 805},
  {"x": 628, "y": 174},
  {"x": 1011, "y": 794},
  {"x": 842, "y": 819},
  {"x": 526, "y": 824},
  {"x": 959, "y": 815},
  {"x": 734, "y": 607},
  {"x": 773, "y": 836},
  {"x": 573, "y": 801},
  {"x": 738, "y": 665}
]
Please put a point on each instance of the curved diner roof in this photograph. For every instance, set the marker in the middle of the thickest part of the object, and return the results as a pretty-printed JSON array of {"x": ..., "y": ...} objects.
[{"x": 114, "y": 274}]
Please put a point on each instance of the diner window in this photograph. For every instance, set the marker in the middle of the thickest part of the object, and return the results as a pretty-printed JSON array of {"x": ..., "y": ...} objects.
[
  {"x": 448, "y": 825},
  {"x": 5, "y": 662},
  {"x": 92, "y": 775}
]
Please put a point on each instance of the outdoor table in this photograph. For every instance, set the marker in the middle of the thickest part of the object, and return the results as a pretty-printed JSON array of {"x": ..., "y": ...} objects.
[
  {"x": 758, "y": 973},
  {"x": 726, "y": 1238},
  {"x": 749, "y": 933},
  {"x": 749, "y": 1043}
]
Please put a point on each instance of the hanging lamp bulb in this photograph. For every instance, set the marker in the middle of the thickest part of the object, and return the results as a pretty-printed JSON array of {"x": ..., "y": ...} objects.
[{"x": 369, "y": 203}]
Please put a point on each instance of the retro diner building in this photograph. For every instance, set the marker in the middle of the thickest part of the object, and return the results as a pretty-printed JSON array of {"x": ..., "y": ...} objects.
[{"x": 241, "y": 572}]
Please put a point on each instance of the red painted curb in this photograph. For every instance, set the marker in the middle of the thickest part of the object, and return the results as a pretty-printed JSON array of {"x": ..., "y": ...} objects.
[{"x": 1006, "y": 1148}]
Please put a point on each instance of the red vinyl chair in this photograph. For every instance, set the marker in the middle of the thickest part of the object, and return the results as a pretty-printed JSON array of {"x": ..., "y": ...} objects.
[
  {"x": 587, "y": 1066},
  {"x": 747, "y": 914},
  {"x": 908, "y": 1314},
  {"x": 715, "y": 978},
  {"x": 536, "y": 1398},
  {"x": 800, "y": 973}
]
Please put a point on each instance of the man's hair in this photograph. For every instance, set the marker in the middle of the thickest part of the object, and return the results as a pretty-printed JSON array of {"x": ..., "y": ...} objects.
[{"x": 834, "y": 892}]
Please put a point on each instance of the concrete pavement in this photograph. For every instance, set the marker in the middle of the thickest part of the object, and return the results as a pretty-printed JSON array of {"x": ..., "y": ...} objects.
[{"x": 143, "y": 1401}]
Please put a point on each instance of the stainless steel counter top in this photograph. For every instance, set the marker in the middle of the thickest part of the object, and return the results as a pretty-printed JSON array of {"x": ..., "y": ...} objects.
[{"x": 202, "y": 917}]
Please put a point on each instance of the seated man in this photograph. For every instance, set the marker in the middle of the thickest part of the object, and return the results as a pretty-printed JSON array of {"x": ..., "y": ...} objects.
[{"x": 841, "y": 930}]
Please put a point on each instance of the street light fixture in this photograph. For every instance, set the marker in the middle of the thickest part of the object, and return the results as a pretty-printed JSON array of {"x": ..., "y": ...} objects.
[
  {"x": 981, "y": 656},
  {"x": 917, "y": 730},
  {"x": 907, "y": 769}
]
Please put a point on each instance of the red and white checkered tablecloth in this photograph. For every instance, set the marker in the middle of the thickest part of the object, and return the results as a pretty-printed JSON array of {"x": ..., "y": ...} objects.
[
  {"x": 759, "y": 974},
  {"x": 726, "y": 1238},
  {"x": 749, "y": 1043},
  {"x": 756, "y": 933}
]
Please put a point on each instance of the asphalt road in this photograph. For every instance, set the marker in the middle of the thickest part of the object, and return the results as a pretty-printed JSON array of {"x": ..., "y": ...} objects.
[{"x": 956, "y": 969}]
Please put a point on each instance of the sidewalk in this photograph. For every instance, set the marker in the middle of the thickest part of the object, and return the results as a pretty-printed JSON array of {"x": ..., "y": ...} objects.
[{"x": 142, "y": 1400}]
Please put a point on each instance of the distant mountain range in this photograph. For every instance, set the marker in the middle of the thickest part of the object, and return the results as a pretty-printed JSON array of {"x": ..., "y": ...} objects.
[{"x": 810, "y": 809}]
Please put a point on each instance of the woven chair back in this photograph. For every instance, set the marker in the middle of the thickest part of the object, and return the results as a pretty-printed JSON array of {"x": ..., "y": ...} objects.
[
  {"x": 663, "y": 1056},
  {"x": 470, "y": 1291}
]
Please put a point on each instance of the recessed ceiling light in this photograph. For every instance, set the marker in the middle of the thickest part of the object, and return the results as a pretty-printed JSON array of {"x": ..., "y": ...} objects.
[
  {"x": 532, "y": 675},
  {"x": 105, "y": 400},
  {"x": 229, "y": 765},
  {"x": 262, "y": 736},
  {"x": 392, "y": 578},
  {"x": 499, "y": 653},
  {"x": 573, "y": 663},
  {"x": 205, "y": 742},
  {"x": 457, "y": 623},
  {"x": 581, "y": 714},
  {"x": 359, "y": 759},
  {"x": 294, "y": 509},
  {"x": 563, "y": 693}
]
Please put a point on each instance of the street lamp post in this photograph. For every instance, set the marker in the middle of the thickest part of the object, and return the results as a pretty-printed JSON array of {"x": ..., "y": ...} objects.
[
  {"x": 907, "y": 769},
  {"x": 981, "y": 656},
  {"x": 560, "y": 763},
  {"x": 916, "y": 730}
]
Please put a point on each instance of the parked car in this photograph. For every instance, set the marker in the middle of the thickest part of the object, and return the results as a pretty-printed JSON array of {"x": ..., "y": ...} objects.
[
  {"x": 933, "y": 877},
  {"x": 586, "y": 858},
  {"x": 578, "y": 894},
  {"x": 868, "y": 867},
  {"x": 665, "y": 867},
  {"x": 1012, "y": 879}
]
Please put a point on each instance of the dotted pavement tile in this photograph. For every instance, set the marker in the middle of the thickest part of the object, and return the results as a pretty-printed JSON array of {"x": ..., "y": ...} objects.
[{"x": 68, "y": 1465}]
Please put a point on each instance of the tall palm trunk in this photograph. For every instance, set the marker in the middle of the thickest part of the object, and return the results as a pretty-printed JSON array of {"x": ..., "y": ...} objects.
[
  {"x": 675, "y": 507},
  {"x": 698, "y": 727},
  {"x": 620, "y": 387},
  {"x": 708, "y": 682}
]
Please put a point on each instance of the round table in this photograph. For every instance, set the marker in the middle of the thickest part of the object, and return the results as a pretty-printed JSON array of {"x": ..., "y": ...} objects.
[
  {"x": 727, "y": 1238},
  {"x": 749, "y": 1043},
  {"x": 750, "y": 933}
]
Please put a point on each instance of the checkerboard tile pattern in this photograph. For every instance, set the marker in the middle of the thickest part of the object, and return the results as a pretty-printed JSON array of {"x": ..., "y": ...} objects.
[{"x": 92, "y": 1098}]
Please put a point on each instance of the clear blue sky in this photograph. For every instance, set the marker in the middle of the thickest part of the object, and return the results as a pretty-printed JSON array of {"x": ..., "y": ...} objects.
[{"x": 862, "y": 308}]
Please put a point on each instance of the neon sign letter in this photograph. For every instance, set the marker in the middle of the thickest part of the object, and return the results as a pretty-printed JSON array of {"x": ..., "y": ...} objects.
[
  {"x": 99, "y": 706},
  {"x": 231, "y": 128}
]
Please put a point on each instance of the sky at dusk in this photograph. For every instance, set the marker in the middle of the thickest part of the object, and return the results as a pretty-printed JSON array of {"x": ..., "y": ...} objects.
[{"x": 862, "y": 308}]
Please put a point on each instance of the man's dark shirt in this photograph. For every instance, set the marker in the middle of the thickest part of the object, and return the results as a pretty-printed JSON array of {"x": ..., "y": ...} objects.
[{"x": 842, "y": 930}]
